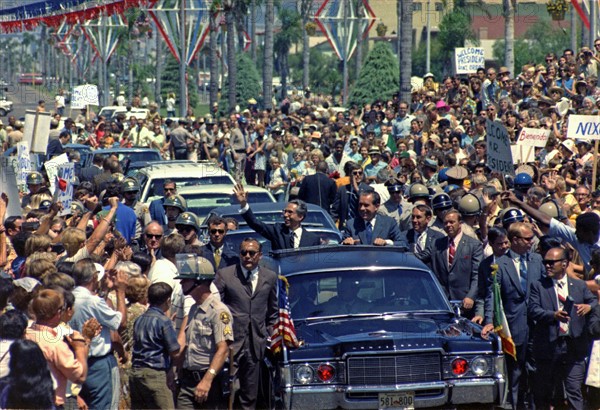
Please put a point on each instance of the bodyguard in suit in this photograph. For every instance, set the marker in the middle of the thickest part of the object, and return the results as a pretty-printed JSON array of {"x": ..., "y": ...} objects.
[
  {"x": 517, "y": 270},
  {"x": 455, "y": 260},
  {"x": 420, "y": 236},
  {"x": 250, "y": 292},
  {"x": 217, "y": 251},
  {"x": 88, "y": 174},
  {"x": 287, "y": 235},
  {"x": 559, "y": 304},
  {"x": 370, "y": 228},
  {"x": 318, "y": 189}
]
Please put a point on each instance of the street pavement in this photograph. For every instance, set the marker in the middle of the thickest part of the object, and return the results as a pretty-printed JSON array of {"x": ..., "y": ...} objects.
[{"x": 25, "y": 98}]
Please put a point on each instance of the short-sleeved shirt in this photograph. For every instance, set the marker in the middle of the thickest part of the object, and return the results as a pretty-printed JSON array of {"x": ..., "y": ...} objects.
[
  {"x": 61, "y": 360},
  {"x": 208, "y": 324},
  {"x": 154, "y": 338},
  {"x": 568, "y": 234},
  {"x": 88, "y": 306}
]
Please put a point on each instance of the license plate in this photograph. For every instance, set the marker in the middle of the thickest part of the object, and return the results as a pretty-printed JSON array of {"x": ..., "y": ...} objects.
[{"x": 402, "y": 400}]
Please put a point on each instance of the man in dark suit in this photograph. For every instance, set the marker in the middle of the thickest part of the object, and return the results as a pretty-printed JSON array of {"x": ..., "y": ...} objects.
[
  {"x": 517, "y": 270},
  {"x": 558, "y": 304},
  {"x": 455, "y": 260},
  {"x": 217, "y": 251},
  {"x": 420, "y": 236},
  {"x": 88, "y": 174},
  {"x": 371, "y": 228},
  {"x": 287, "y": 235},
  {"x": 318, "y": 189},
  {"x": 111, "y": 166},
  {"x": 250, "y": 292}
]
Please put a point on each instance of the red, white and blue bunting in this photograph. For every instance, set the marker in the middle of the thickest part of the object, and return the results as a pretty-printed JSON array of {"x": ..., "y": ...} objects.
[
  {"x": 166, "y": 15},
  {"x": 103, "y": 34},
  {"x": 341, "y": 36}
]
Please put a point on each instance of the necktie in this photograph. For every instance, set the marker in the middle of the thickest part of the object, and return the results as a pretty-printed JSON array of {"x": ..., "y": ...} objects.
[
  {"x": 293, "y": 240},
  {"x": 523, "y": 273},
  {"x": 451, "y": 251},
  {"x": 418, "y": 240},
  {"x": 399, "y": 209},
  {"x": 249, "y": 280},
  {"x": 369, "y": 232},
  {"x": 217, "y": 256},
  {"x": 561, "y": 292}
]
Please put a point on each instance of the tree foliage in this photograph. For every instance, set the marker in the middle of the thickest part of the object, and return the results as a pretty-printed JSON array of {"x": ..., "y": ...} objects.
[
  {"x": 170, "y": 82},
  {"x": 324, "y": 73},
  {"x": 248, "y": 83},
  {"x": 379, "y": 77},
  {"x": 455, "y": 29},
  {"x": 540, "y": 39}
]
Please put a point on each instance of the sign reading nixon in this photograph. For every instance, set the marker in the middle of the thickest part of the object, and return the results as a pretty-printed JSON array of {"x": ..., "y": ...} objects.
[
  {"x": 499, "y": 155},
  {"x": 584, "y": 127},
  {"x": 468, "y": 59}
]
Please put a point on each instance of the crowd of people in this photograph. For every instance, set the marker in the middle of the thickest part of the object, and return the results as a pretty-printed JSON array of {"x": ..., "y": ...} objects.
[{"x": 109, "y": 315}]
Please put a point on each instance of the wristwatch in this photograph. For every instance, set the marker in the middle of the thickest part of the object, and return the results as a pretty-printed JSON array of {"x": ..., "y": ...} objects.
[{"x": 212, "y": 371}]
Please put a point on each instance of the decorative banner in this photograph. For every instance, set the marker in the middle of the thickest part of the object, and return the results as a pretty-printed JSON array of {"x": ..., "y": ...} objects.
[
  {"x": 23, "y": 165},
  {"x": 37, "y": 130},
  {"x": 84, "y": 95},
  {"x": 166, "y": 14},
  {"x": 533, "y": 137},
  {"x": 103, "y": 34},
  {"x": 499, "y": 157},
  {"x": 584, "y": 127},
  {"x": 468, "y": 59},
  {"x": 339, "y": 25},
  {"x": 8, "y": 185},
  {"x": 52, "y": 169},
  {"x": 64, "y": 187}
]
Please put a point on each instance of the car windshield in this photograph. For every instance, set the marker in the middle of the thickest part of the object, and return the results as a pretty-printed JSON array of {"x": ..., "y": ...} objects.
[
  {"x": 156, "y": 185},
  {"x": 235, "y": 238},
  {"x": 364, "y": 291},
  {"x": 202, "y": 203},
  {"x": 313, "y": 218},
  {"x": 139, "y": 156}
]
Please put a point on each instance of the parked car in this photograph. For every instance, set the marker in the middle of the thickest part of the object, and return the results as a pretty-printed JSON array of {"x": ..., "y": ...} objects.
[
  {"x": 110, "y": 112},
  {"x": 201, "y": 199},
  {"x": 378, "y": 332},
  {"x": 6, "y": 106},
  {"x": 183, "y": 173},
  {"x": 272, "y": 212}
]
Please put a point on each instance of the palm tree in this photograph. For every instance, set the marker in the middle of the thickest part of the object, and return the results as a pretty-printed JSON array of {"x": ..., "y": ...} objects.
[
  {"x": 509, "y": 34},
  {"x": 214, "y": 60},
  {"x": 253, "y": 54},
  {"x": 229, "y": 9},
  {"x": 290, "y": 33},
  {"x": 405, "y": 46},
  {"x": 268, "y": 55},
  {"x": 305, "y": 8}
]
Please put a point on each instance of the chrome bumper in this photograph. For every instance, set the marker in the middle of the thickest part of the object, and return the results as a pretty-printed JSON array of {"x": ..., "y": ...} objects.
[{"x": 453, "y": 392}]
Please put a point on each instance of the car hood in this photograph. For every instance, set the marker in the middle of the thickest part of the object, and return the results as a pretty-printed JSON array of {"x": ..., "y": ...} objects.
[{"x": 335, "y": 338}]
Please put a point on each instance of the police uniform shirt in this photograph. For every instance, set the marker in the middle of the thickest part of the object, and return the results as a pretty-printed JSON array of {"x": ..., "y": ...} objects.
[{"x": 208, "y": 324}]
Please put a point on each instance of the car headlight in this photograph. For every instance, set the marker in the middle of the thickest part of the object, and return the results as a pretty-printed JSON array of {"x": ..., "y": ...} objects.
[
  {"x": 304, "y": 374},
  {"x": 479, "y": 366}
]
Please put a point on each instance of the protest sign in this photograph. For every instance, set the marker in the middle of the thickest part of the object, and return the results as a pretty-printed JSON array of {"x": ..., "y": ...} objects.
[
  {"x": 8, "y": 185},
  {"x": 84, "y": 95},
  {"x": 468, "y": 59},
  {"x": 522, "y": 156},
  {"x": 37, "y": 130},
  {"x": 584, "y": 127},
  {"x": 52, "y": 169},
  {"x": 64, "y": 186},
  {"x": 23, "y": 164},
  {"x": 533, "y": 137},
  {"x": 499, "y": 155}
]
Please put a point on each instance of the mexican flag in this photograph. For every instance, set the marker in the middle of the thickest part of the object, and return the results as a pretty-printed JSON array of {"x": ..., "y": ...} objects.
[{"x": 499, "y": 319}]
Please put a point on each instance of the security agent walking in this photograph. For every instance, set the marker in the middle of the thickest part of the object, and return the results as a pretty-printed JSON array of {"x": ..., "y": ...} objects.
[
  {"x": 206, "y": 334},
  {"x": 250, "y": 292}
]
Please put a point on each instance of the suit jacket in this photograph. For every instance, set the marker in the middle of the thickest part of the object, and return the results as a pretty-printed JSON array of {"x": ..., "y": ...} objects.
[
  {"x": 88, "y": 174},
  {"x": 409, "y": 237},
  {"x": 228, "y": 256},
  {"x": 278, "y": 233},
  {"x": 385, "y": 228},
  {"x": 157, "y": 211},
  {"x": 459, "y": 280},
  {"x": 543, "y": 302},
  {"x": 484, "y": 271},
  {"x": 254, "y": 314},
  {"x": 514, "y": 298},
  {"x": 318, "y": 189}
]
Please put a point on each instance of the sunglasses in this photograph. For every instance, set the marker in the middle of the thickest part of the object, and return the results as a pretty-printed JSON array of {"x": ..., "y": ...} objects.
[
  {"x": 551, "y": 261},
  {"x": 219, "y": 231},
  {"x": 169, "y": 189},
  {"x": 357, "y": 172},
  {"x": 150, "y": 236},
  {"x": 244, "y": 252}
]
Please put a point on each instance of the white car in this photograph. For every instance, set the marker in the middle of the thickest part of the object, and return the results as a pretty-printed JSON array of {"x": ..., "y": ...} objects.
[
  {"x": 110, "y": 112},
  {"x": 201, "y": 199},
  {"x": 184, "y": 174},
  {"x": 5, "y": 107}
]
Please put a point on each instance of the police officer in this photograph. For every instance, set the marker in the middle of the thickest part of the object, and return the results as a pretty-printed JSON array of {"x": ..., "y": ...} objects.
[
  {"x": 131, "y": 188},
  {"x": 35, "y": 183},
  {"x": 207, "y": 333},
  {"x": 440, "y": 203},
  {"x": 187, "y": 225},
  {"x": 470, "y": 207},
  {"x": 396, "y": 207},
  {"x": 174, "y": 206}
]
